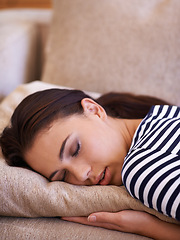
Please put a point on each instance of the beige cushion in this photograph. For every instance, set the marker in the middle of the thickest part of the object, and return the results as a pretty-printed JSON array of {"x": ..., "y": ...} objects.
[
  {"x": 56, "y": 229},
  {"x": 24, "y": 193},
  {"x": 116, "y": 45}
]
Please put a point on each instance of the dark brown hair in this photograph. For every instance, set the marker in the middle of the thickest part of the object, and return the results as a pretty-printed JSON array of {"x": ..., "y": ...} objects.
[{"x": 38, "y": 110}]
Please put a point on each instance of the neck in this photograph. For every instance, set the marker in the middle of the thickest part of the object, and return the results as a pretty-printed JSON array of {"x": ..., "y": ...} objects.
[
  {"x": 123, "y": 130},
  {"x": 127, "y": 128},
  {"x": 130, "y": 128}
]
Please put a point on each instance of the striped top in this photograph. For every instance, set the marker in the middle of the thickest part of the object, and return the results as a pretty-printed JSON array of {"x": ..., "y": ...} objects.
[{"x": 151, "y": 169}]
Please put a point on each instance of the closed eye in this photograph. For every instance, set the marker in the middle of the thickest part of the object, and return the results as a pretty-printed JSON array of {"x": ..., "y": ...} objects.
[
  {"x": 65, "y": 172},
  {"x": 60, "y": 175},
  {"x": 77, "y": 150}
]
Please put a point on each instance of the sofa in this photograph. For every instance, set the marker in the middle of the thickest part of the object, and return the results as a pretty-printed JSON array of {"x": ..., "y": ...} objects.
[{"x": 96, "y": 46}]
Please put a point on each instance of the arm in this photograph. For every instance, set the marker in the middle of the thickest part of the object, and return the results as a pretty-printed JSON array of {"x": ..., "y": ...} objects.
[{"x": 133, "y": 222}]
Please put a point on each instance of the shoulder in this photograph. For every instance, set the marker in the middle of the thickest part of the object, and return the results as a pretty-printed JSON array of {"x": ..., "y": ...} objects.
[
  {"x": 161, "y": 124},
  {"x": 156, "y": 139},
  {"x": 154, "y": 157},
  {"x": 164, "y": 111}
]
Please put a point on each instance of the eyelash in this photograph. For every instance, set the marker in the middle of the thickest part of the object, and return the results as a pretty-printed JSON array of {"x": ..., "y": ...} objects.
[
  {"x": 74, "y": 155},
  {"x": 77, "y": 150}
]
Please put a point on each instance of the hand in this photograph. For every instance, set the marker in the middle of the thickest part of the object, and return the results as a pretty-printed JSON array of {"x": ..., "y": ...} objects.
[
  {"x": 133, "y": 222},
  {"x": 126, "y": 221}
]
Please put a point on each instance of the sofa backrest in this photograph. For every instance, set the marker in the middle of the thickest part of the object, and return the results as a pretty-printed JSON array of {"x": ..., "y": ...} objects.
[{"x": 116, "y": 45}]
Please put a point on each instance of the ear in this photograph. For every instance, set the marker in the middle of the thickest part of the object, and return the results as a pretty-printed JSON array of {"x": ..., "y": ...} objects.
[{"x": 91, "y": 107}]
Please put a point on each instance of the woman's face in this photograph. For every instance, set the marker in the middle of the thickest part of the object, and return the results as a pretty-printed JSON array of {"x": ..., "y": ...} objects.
[{"x": 81, "y": 149}]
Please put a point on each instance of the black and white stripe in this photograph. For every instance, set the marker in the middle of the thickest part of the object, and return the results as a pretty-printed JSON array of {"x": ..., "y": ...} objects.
[{"x": 151, "y": 170}]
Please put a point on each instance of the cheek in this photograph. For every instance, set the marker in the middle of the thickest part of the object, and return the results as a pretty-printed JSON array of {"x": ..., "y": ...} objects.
[
  {"x": 97, "y": 148},
  {"x": 96, "y": 152},
  {"x": 72, "y": 180}
]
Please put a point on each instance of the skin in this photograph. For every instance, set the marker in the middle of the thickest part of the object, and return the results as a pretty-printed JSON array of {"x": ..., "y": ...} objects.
[
  {"x": 95, "y": 148},
  {"x": 132, "y": 222}
]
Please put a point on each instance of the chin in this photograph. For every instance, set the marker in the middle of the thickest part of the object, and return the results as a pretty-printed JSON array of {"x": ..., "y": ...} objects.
[{"x": 117, "y": 182}]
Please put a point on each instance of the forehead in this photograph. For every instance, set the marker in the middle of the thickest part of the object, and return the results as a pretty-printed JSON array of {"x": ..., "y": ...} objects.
[
  {"x": 56, "y": 132},
  {"x": 43, "y": 154},
  {"x": 59, "y": 127}
]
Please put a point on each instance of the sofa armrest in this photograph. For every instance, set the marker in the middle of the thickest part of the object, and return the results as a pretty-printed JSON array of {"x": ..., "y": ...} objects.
[{"x": 23, "y": 38}]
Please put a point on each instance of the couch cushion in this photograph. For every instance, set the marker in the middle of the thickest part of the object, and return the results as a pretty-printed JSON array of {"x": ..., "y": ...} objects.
[
  {"x": 117, "y": 45},
  {"x": 54, "y": 228}
]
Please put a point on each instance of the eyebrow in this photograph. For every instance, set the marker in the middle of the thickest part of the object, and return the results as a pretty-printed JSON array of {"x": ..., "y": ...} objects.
[
  {"x": 63, "y": 147},
  {"x": 61, "y": 156}
]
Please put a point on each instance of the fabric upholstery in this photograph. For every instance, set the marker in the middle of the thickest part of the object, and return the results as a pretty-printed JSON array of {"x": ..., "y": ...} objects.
[
  {"x": 17, "y": 48},
  {"x": 54, "y": 228},
  {"x": 23, "y": 34},
  {"x": 116, "y": 45}
]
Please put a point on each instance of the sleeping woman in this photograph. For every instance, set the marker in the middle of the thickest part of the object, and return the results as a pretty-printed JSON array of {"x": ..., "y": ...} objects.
[{"x": 119, "y": 138}]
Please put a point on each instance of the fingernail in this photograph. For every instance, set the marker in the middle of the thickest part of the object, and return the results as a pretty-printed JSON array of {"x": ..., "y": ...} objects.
[{"x": 92, "y": 218}]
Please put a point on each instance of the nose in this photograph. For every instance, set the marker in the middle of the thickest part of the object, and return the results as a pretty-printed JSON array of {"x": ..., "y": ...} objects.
[{"x": 81, "y": 171}]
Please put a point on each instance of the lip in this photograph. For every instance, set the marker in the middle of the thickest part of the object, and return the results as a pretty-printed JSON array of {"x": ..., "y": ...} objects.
[
  {"x": 98, "y": 178},
  {"x": 107, "y": 177}
]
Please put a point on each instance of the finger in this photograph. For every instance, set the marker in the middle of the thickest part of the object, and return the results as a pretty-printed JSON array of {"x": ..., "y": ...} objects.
[
  {"x": 108, "y": 220},
  {"x": 84, "y": 220},
  {"x": 105, "y": 217}
]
